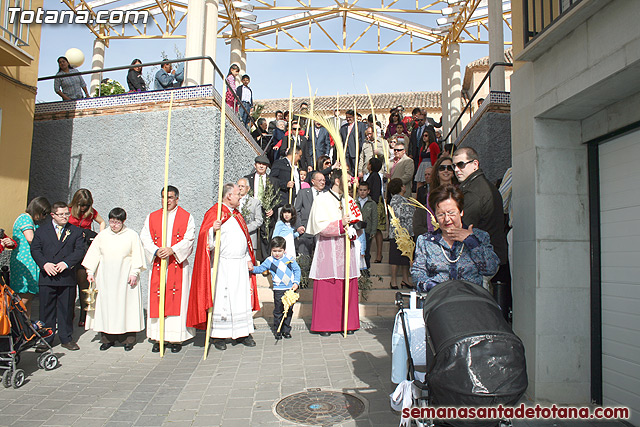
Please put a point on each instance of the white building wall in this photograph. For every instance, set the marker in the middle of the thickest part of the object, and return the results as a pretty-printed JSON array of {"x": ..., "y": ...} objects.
[{"x": 563, "y": 92}]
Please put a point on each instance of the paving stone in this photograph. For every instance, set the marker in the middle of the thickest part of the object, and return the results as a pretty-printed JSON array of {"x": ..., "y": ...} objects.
[
  {"x": 36, "y": 414},
  {"x": 8, "y": 420},
  {"x": 241, "y": 422},
  {"x": 16, "y": 409},
  {"x": 150, "y": 421},
  {"x": 124, "y": 416},
  {"x": 182, "y": 416},
  {"x": 90, "y": 422},
  {"x": 61, "y": 420}
]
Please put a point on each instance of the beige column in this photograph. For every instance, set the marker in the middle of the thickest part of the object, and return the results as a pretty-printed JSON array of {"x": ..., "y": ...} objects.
[
  {"x": 444, "y": 72},
  {"x": 243, "y": 61},
  {"x": 496, "y": 44},
  {"x": 210, "y": 39},
  {"x": 235, "y": 53},
  {"x": 97, "y": 63},
  {"x": 195, "y": 41},
  {"x": 455, "y": 87}
]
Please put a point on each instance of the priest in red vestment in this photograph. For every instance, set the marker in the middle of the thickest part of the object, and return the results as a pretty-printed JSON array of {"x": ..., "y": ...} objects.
[
  {"x": 176, "y": 250},
  {"x": 236, "y": 294}
]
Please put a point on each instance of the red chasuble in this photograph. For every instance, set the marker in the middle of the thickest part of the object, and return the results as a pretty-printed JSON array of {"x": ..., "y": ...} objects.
[
  {"x": 200, "y": 298},
  {"x": 173, "y": 290}
]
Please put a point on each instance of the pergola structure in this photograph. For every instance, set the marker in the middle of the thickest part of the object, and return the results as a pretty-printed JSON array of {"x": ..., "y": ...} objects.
[{"x": 400, "y": 27}]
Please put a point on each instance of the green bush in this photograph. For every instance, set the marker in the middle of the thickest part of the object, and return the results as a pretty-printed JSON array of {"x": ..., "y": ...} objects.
[{"x": 109, "y": 87}]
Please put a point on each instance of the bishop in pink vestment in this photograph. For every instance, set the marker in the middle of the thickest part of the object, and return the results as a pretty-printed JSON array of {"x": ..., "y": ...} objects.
[{"x": 328, "y": 265}]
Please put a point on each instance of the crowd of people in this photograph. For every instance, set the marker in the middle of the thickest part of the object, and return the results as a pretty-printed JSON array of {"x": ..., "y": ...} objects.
[
  {"x": 69, "y": 85},
  {"x": 292, "y": 204}
]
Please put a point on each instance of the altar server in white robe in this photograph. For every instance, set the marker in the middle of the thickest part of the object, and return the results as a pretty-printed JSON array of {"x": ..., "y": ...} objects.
[
  {"x": 114, "y": 262},
  {"x": 176, "y": 249}
]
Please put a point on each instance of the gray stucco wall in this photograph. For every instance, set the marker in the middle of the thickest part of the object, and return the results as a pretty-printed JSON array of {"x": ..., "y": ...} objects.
[
  {"x": 120, "y": 158},
  {"x": 491, "y": 138}
]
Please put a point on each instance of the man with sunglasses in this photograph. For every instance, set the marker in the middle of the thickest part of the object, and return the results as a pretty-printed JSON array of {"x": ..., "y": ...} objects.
[
  {"x": 401, "y": 166},
  {"x": 483, "y": 209}
]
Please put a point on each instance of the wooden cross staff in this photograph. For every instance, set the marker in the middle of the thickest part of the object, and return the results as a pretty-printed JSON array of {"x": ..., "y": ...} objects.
[{"x": 216, "y": 254}]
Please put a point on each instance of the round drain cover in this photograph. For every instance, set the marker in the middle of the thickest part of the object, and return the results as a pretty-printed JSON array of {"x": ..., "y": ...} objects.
[{"x": 320, "y": 408}]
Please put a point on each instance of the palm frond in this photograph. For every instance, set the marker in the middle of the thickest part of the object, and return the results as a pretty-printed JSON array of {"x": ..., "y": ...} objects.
[
  {"x": 416, "y": 204},
  {"x": 403, "y": 238}
]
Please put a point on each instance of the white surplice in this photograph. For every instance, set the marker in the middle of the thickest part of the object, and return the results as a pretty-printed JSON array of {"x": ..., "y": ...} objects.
[
  {"x": 112, "y": 258},
  {"x": 232, "y": 314},
  {"x": 175, "y": 327}
]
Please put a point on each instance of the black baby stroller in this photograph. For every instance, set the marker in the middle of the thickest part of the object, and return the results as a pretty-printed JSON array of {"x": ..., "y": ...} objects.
[
  {"x": 18, "y": 333},
  {"x": 474, "y": 357}
]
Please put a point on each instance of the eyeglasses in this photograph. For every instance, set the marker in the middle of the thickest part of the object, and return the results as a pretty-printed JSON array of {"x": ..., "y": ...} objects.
[
  {"x": 450, "y": 214},
  {"x": 62, "y": 214},
  {"x": 461, "y": 165},
  {"x": 327, "y": 163},
  {"x": 398, "y": 150},
  {"x": 443, "y": 168}
]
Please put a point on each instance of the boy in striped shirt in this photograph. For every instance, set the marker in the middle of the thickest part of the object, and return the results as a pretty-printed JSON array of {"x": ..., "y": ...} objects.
[{"x": 285, "y": 273}]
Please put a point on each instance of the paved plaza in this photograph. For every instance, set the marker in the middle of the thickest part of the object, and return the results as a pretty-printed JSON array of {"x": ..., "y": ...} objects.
[{"x": 236, "y": 387}]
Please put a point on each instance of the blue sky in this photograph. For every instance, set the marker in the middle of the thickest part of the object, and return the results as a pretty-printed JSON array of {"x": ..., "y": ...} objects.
[{"x": 271, "y": 73}]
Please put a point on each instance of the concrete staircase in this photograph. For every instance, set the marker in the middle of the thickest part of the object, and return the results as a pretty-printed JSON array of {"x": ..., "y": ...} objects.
[{"x": 379, "y": 299}]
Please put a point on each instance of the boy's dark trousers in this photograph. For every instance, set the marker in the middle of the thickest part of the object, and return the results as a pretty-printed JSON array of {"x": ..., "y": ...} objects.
[
  {"x": 278, "y": 312},
  {"x": 243, "y": 114}
]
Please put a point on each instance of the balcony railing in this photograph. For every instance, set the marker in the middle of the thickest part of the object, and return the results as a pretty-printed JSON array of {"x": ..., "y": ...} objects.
[
  {"x": 15, "y": 33},
  {"x": 541, "y": 14}
]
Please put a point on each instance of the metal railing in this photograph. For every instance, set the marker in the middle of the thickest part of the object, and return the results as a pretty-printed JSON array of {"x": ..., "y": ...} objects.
[
  {"x": 15, "y": 33},
  {"x": 486, "y": 77},
  {"x": 538, "y": 15},
  {"x": 151, "y": 64}
]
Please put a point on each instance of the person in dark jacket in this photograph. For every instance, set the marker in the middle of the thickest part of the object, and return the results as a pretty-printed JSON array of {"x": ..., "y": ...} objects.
[
  {"x": 288, "y": 183},
  {"x": 57, "y": 248},
  {"x": 483, "y": 209},
  {"x": 134, "y": 78}
]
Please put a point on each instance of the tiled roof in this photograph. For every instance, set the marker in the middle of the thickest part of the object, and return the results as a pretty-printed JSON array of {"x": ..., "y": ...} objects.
[
  {"x": 384, "y": 101},
  {"x": 481, "y": 65},
  {"x": 484, "y": 62}
]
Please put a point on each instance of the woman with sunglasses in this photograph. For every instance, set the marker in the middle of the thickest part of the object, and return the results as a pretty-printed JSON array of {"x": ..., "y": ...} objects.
[
  {"x": 83, "y": 215},
  {"x": 453, "y": 251},
  {"x": 394, "y": 119},
  {"x": 428, "y": 154},
  {"x": 323, "y": 164}
]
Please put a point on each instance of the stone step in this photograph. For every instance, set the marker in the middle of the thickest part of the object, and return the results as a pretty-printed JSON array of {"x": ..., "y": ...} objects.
[{"x": 302, "y": 310}]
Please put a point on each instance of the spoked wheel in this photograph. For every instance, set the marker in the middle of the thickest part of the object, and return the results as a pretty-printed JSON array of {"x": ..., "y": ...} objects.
[
  {"x": 50, "y": 362},
  {"x": 6, "y": 378},
  {"x": 17, "y": 379}
]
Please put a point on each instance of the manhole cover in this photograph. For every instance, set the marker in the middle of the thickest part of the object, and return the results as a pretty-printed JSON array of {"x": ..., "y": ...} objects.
[{"x": 320, "y": 408}]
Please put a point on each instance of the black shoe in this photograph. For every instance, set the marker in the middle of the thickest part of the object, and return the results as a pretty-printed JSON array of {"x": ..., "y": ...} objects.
[
  {"x": 287, "y": 335},
  {"x": 220, "y": 344},
  {"x": 106, "y": 346},
  {"x": 155, "y": 348},
  {"x": 176, "y": 347},
  {"x": 393, "y": 287},
  {"x": 278, "y": 336},
  {"x": 248, "y": 341},
  {"x": 71, "y": 346},
  {"x": 406, "y": 285},
  {"x": 128, "y": 347},
  {"x": 350, "y": 332},
  {"x": 325, "y": 334}
]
